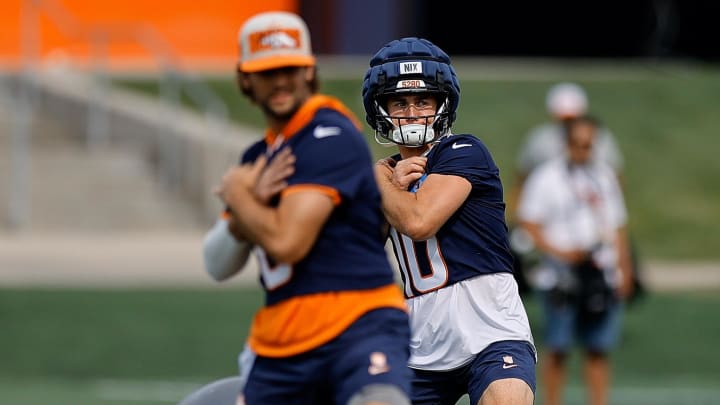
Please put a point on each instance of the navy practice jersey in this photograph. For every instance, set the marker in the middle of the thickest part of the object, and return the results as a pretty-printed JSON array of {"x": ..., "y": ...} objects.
[
  {"x": 332, "y": 157},
  {"x": 474, "y": 240},
  {"x": 346, "y": 273}
]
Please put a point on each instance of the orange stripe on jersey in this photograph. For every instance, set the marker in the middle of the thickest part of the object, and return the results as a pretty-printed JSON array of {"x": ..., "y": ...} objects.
[
  {"x": 328, "y": 191},
  {"x": 306, "y": 113},
  {"x": 305, "y": 322}
]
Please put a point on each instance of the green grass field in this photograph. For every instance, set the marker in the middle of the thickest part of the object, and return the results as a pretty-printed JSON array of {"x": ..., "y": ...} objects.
[
  {"x": 151, "y": 347},
  {"x": 664, "y": 116}
]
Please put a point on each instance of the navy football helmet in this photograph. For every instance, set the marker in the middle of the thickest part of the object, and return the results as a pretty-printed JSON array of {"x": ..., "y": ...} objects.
[{"x": 410, "y": 65}]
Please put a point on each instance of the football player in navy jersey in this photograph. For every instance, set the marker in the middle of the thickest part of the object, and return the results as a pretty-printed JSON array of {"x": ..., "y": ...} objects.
[
  {"x": 334, "y": 328},
  {"x": 443, "y": 200}
]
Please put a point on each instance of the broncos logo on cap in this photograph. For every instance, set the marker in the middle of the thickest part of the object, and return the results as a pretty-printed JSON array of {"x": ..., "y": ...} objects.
[
  {"x": 278, "y": 39},
  {"x": 274, "y": 40}
]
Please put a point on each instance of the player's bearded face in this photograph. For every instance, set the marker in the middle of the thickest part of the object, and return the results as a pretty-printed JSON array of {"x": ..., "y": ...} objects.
[{"x": 281, "y": 92}]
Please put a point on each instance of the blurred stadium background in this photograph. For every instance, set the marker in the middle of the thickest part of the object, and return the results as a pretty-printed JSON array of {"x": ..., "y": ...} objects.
[{"x": 117, "y": 118}]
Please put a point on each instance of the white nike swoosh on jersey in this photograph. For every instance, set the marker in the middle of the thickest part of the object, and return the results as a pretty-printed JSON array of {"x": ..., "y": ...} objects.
[
  {"x": 323, "y": 132},
  {"x": 460, "y": 145},
  {"x": 509, "y": 365}
]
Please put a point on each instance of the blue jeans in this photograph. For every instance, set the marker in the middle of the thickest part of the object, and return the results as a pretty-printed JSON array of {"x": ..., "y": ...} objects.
[{"x": 565, "y": 324}]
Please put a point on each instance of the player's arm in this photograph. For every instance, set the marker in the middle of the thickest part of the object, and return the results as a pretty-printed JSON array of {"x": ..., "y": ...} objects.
[
  {"x": 225, "y": 249},
  {"x": 224, "y": 254},
  {"x": 286, "y": 232},
  {"x": 420, "y": 215}
]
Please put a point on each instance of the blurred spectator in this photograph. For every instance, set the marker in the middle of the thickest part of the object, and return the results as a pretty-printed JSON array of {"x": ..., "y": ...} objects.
[
  {"x": 546, "y": 141},
  {"x": 564, "y": 100},
  {"x": 573, "y": 209}
]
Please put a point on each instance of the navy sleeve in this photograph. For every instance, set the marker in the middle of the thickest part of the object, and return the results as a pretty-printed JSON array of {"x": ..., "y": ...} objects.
[{"x": 331, "y": 160}]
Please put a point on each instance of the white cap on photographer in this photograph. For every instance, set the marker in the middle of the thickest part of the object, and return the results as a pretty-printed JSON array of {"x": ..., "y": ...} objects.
[{"x": 566, "y": 100}]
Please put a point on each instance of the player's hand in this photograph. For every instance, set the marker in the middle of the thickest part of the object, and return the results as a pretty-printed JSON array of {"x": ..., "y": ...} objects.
[
  {"x": 273, "y": 178},
  {"x": 387, "y": 162},
  {"x": 383, "y": 171},
  {"x": 240, "y": 179},
  {"x": 407, "y": 171}
]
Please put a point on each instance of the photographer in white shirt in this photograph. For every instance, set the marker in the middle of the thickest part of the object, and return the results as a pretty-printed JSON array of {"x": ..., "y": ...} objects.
[{"x": 573, "y": 209}]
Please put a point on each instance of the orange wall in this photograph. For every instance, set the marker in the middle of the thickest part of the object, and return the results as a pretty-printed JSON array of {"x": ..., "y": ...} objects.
[{"x": 200, "y": 34}]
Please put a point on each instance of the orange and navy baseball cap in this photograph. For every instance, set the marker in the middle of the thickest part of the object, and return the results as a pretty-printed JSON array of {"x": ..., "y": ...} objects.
[{"x": 274, "y": 40}]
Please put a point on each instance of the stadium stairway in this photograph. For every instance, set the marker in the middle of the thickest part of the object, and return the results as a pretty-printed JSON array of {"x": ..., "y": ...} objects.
[
  {"x": 73, "y": 187},
  {"x": 91, "y": 214}
]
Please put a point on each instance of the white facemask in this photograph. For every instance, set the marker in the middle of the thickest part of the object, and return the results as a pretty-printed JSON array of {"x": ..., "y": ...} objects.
[{"x": 413, "y": 134}]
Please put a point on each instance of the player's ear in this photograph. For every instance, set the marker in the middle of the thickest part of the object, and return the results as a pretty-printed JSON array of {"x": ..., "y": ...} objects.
[
  {"x": 238, "y": 76},
  {"x": 309, "y": 74},
  {"x": 241, "y": 80},
  {"x": 243, "y": 83}
]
